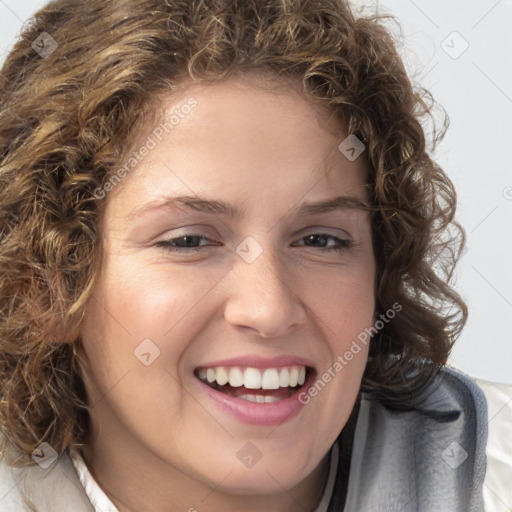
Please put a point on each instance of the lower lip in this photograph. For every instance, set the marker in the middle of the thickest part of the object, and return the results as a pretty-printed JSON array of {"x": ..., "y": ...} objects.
[{"x": 252, "y": 413}]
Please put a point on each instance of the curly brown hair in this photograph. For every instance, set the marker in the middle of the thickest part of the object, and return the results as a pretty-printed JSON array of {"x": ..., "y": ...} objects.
[{"x": 66, "y": 118}]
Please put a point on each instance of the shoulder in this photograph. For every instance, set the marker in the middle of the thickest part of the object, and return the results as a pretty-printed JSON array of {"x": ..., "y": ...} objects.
[
  {"x": 10, "y": 484},
  {"x": 497, "y": 488},
  {"x": 48, "y": 488},
  {"x": 428, "y": 458}
]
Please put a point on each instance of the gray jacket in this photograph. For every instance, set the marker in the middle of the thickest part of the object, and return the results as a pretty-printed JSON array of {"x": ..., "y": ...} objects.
[{"x": 428, "y": 461}]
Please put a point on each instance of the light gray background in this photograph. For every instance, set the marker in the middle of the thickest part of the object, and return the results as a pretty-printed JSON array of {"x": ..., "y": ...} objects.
[{"x": 475, "y": 88}]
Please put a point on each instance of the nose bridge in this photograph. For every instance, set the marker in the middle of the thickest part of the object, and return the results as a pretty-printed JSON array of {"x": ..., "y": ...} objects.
[
  {"x": 262, "y": 296},
  {"x": 263, "y": 270}
]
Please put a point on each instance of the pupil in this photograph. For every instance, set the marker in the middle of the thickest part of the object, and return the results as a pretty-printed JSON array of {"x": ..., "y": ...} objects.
[
  {"x": 320, "y": 239},
  {"x": 188, "y": 241}
]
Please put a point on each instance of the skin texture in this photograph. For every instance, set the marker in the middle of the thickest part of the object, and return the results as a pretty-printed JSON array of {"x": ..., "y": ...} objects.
[{"x": 159, "y": 443}]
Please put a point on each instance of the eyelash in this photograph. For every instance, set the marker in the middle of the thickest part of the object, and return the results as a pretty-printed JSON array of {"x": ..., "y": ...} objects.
[{"x": 168, "y": 245}]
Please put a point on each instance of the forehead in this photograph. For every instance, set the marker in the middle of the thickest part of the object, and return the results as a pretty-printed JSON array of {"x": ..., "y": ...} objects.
[
  {"x": 243, "y": 139},
  {"x": 275, "y": 109}
]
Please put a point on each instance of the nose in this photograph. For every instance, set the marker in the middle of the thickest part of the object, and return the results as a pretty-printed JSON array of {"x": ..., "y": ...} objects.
[{"x": 263, "y": 300}]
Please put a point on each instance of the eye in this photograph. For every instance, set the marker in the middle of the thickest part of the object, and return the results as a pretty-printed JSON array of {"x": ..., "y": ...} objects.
[
  {"x": 189, "y": 241},
  {"x": 322, "y": 240}
]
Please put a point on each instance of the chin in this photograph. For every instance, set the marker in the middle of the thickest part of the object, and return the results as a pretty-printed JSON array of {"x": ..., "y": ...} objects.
[
  {"x": 248, "y": 482},
  {"x": 265, "y": 477}
]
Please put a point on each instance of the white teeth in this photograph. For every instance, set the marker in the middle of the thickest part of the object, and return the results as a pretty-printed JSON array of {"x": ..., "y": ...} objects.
[
  {"x": 221, "y": 376},
  {"x": 270, "y": 379},
  {"x": 249, "y": 398},
  {"x": 284, "y": 378},
  {"x": 254, "y": 378},
  {"x": 236, "y": 377},
  {"x": 210, "y": 375},
  {"x": 294, "y": 376},
  {"x": 302, "y": 376},
  {"x": 260, "y": 399}
]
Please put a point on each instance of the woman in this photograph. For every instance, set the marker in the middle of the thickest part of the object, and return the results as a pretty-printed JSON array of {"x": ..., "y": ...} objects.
[{"x": 226, "y": 258}]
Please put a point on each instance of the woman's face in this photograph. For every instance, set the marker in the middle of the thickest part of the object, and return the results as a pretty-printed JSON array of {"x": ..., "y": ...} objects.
[{"x": 247, "y": 277}]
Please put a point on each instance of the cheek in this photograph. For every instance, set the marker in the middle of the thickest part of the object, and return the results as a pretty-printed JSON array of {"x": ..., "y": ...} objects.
[
  {"x": 133, "y": 340},
  {"x": 138, "y": 299},
  {"x": 141, "y": 313},
  {"x": 343, "y": 303},
  {"x": 344, "y": 308},
  {"x": 351, "y": 315}
]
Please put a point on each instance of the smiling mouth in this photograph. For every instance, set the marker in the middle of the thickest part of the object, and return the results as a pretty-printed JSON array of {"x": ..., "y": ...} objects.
[{"x": 256, "y": 384}]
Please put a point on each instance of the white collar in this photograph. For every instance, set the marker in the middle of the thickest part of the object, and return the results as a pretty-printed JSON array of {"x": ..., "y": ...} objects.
[{"x": 97, "y": 497}]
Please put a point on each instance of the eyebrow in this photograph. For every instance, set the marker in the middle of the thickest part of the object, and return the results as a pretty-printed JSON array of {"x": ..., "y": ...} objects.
[{"x": 237, "y": 211}]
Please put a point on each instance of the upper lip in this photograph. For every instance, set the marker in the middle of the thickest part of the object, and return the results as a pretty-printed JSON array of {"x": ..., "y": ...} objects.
[{"x": 255, "y": 361}]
